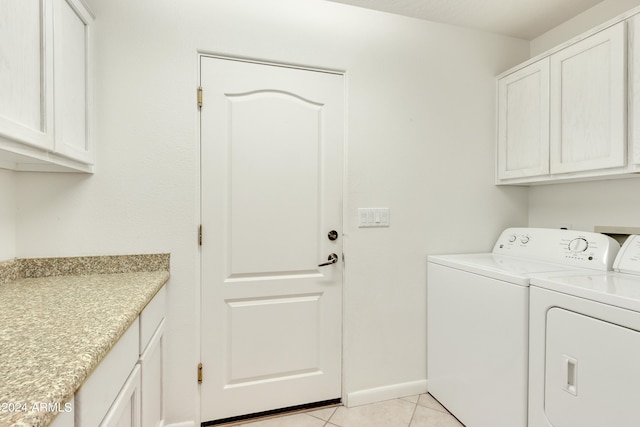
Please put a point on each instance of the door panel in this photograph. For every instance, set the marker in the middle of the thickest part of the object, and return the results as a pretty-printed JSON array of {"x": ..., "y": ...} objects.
[
  {"x": 275, "y": 336},
  {"x": 271, "y": 152},
  {"x": 271, "y": 125},
  {"x": 523, "y": 122},
  {"x": 26, "y": 77},
  {"x": 588, "y": 103}
]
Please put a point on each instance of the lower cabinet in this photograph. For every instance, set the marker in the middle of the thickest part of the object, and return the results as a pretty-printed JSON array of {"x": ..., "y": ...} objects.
[
  {"x": 126, "y": 389},
  {"x": 65, "y": 418},
  {"x": 125, "y": 411},
  {"x": 96, "y": 396},
  {"x": 151, "y": 363}
]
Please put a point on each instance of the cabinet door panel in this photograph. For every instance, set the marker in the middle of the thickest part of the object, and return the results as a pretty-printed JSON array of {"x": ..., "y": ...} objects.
[
  {"x": 125, "y": 411},
  {"x": 588, "y": 99},
  {"x": 71, "y": 89},
  {"x": 634, "y": 90},
  {"x": 523, "y": 122},
  {"x": 152, "y": 381},
  {"x": 99, "y": 391},
  {"x": 25, "y": 80}
]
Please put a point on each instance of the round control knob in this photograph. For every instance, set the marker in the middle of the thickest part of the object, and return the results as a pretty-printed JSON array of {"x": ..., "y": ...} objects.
[
  {"x": 578, "y": 244},
  {"x": 525, "y": 239},
  {"x": 512, "y": 238}
]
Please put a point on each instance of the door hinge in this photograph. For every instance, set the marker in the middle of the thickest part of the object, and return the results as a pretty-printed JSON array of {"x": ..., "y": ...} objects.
[
  {"x": 199, "y": 373},
  {"x": 199, "y": 96},
  {"x": 200, "y": 235}
]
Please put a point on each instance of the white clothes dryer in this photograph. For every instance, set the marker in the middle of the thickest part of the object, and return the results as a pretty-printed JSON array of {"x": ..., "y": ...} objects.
[
  {"x": 585, "y": 346},
  {"x": 478, "y": 318}
]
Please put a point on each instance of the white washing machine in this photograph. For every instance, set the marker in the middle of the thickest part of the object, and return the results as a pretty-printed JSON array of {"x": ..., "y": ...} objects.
[
  {"x": 478, "y": 319},
  {"x": 585, "y": 346}
]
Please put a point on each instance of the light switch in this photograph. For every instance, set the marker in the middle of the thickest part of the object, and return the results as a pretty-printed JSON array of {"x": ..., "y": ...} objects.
[
  {"x": 373, "y": 217},
  {"x": 362, "y": 215}
]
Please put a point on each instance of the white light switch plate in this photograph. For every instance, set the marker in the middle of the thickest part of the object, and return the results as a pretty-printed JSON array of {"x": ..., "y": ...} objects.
[{"x": 373, "y": 217}]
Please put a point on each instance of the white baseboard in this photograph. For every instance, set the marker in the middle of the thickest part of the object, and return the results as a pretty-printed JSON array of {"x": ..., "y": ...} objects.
[
  {"x": 184, "y": 424},
  {"x": 378, "y": 394}
]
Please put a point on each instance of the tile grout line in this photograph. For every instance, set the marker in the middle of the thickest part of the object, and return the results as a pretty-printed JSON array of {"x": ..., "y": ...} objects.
[
  {"x": 413, "y": 414},
  {"x": 326, "y": 423}
]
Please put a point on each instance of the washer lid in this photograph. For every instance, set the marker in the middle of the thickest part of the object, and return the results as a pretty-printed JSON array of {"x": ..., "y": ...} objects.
[
  {"x": 616, "y": 289},
  {"x": 501, "y": 267}
]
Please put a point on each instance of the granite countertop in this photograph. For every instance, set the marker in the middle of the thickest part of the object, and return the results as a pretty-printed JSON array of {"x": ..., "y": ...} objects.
[{"x": 59, "y": 318}]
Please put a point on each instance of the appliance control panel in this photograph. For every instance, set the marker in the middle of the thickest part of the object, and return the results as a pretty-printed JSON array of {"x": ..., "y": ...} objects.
[
  {"x": 573, "y": 248},
  {"x": 628, "y": 259}
]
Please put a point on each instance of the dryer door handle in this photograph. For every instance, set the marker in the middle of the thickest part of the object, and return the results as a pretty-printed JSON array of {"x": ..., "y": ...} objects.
[{"x": 570, "y": 372}]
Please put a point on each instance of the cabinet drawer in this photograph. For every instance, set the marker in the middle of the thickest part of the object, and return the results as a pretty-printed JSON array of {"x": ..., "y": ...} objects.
[
  {"x": 151, "y": 317},
  {"x": 98, "y": 393}
]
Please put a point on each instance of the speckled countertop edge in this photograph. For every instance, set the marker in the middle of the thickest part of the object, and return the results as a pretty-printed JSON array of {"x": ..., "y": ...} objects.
[
  {"x": 57, "y": 328},
  {"x": 74, "y": 266},
  {"x": 9, "y": 271}
]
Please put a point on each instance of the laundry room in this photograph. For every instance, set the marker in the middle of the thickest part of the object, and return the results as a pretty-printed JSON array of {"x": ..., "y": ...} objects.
[{"x": 418, "y": 144}]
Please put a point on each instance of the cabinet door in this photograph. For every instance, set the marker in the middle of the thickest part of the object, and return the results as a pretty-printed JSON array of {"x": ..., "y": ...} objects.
[
  {"x": 71, "y": 65},
  {"x": 588, "y": 100},
  {"x": 66, "y": 417},
  {"x": 152, "y": 380},
  {"x": 634, "y": 90},
  {"x": 125, "y": 411},
  {"x": 26, "y": 80},
  {"x": 523, "y": 122},
  {"x": 104, "y": 385}
]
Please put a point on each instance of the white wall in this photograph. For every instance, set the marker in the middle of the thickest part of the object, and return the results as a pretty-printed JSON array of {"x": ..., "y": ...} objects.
[
  {"x": 585, "y": 205},
  {"x": 577, "y": 25},
  {"x": 421, "y": 102},
  {"x": 7, "y": 215}
]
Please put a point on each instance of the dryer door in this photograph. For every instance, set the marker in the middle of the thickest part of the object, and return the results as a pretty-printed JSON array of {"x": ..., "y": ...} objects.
[{"x": 592, "y": 372}]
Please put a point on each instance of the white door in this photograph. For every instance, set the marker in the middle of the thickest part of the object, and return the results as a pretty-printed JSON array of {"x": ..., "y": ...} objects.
[{"x": 271, "y": 171}]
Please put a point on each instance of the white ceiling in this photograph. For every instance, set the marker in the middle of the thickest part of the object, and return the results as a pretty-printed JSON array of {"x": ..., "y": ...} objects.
[{"x": 526, "y": 19}]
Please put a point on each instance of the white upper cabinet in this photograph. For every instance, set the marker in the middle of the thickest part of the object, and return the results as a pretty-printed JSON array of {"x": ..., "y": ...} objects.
[
  {"x": 71, "y": 92},
  {"x": 26, "y": 80},
  {"x": 588, "y": 103},
  {"x": 572, "y": 123},
  {"x": 634, "y": 92},
  {"x": 44, "y": 85},
  {"x": 523, "y": 122}
]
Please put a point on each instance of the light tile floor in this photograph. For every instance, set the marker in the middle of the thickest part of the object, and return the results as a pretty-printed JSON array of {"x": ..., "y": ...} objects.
[{"x": 414, "y": 411}]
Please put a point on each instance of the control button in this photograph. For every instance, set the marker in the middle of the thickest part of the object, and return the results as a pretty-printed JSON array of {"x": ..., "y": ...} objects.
[
  {"x": 525, "y": 239},
  {"x": 579, "y": 244},
  {"x": 512, "y": 238}
]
